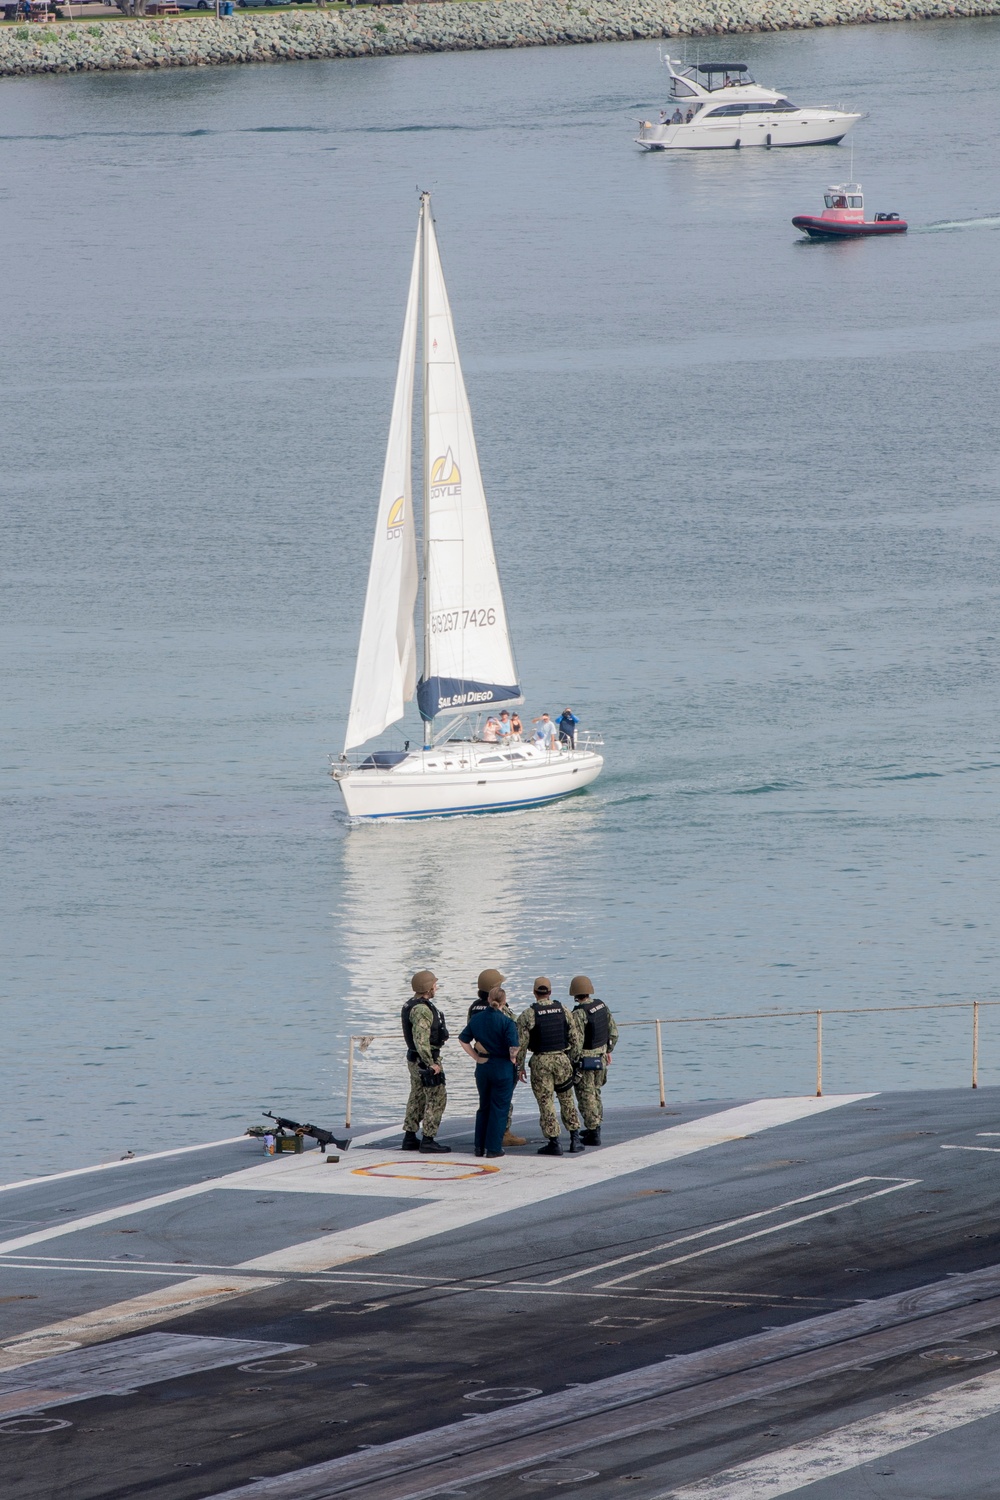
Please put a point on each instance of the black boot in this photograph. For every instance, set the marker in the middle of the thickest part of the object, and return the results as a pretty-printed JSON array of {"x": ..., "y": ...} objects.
[
  {"x": 411, "y": 1141},
  {"x": 551, "y": 1147},
  {"x": 575, "y": 1144},
  {"x": 591, "y": 1137},
  {"x": 429, "y": 1145}
]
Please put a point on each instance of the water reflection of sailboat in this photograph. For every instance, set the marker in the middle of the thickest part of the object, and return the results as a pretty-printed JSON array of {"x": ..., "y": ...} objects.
[{"x": 454, "y": 897}]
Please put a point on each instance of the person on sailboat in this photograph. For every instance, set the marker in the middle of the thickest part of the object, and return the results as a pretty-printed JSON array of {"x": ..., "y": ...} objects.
[
  {"x": 566, "y": 724},
  {"x": 503, "y": 724},
  {"x": 425, "y": 1032},
  {"x": 492, "y": 979},
  {"x": 546, "y": 733},
  {"x": 492, "y": 731},
  {"x": 543, "y": 1030},
  {"x": 516, "y": 727}
]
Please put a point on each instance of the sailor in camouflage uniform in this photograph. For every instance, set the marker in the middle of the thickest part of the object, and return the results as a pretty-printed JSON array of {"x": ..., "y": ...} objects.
[
  {"x": 543, "y": 1029},
  {"x": 593, "y": 1038},
  {"x": 424, "y": 1032},
  {"x": 490, "y": 979}
]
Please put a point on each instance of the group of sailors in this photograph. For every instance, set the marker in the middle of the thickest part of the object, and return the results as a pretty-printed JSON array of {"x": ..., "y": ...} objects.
[
  {"x": 548, "y": 733},
  {"x": 565, "y": 1053}
]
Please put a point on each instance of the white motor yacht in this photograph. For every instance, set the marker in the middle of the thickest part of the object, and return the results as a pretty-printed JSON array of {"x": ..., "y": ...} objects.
[
  {"x": 468, "y": 660},
  {"x": 718, "y": 106}
]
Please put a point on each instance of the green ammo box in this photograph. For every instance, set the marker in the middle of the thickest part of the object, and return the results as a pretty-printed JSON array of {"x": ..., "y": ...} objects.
[{"x": 288, "y": 1143}]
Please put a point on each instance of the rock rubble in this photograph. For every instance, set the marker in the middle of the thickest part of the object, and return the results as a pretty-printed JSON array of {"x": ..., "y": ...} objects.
[{"x": 458, "y": 25}]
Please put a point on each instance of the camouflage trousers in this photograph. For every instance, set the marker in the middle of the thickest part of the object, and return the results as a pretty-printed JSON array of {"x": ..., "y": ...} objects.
[
  {"x": 588, "y": 1096},
  {"x": 424, "y": 1106},
  {"x": 548, "y": 1069}
]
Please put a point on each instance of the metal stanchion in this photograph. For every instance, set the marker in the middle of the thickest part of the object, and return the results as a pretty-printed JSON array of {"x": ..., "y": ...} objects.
[
  {"x": 819, "y": 1054},
  {"x": 975, "y": 1044},
  {"x": 659, "y": 1064},
  {"x": 350, "y": 1081}
]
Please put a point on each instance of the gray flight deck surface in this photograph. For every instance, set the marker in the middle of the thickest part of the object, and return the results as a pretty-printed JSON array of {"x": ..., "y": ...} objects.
[{"x": 740, "y": 1300}]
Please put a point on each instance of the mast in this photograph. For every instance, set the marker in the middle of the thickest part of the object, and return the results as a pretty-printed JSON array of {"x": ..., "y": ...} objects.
[{"x": 425, "y": 214}]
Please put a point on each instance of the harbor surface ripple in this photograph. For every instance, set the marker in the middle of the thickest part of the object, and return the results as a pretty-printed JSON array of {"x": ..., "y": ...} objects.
[{"x": 744, "y": 493}]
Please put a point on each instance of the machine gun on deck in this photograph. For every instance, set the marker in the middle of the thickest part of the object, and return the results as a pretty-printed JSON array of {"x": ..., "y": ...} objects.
[{"x": 287, "y": 1127}]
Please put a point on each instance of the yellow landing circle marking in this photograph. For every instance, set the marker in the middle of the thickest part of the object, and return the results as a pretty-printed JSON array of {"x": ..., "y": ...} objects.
[{"x": 429, "y": 1171}]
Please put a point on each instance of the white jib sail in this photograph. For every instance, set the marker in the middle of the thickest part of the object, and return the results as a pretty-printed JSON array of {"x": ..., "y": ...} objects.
[
  {"x": 386, "y": 670},
  {"x": 468, "y": 657}
]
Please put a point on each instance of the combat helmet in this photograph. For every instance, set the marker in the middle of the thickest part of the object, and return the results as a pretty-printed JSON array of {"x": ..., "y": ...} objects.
[
  {"x": 489, "y": 979},
  {"x": 581, "y": 985},
  {"x": 423, "y": 982}
]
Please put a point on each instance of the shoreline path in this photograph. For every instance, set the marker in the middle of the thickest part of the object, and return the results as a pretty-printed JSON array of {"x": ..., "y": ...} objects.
[{"x": 465, "y": 25}]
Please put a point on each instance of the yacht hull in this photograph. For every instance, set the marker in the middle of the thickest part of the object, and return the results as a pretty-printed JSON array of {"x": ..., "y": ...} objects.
[
  {"x": 438, "y": 790},
  {"x": 825, "y": 128}
]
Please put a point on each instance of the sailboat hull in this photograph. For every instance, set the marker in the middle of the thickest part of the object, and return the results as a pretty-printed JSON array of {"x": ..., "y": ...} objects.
[{"x": 466, "y": 777}]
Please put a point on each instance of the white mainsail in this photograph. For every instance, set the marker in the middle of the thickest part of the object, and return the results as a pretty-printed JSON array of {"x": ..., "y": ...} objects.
[
  {"x": 386, "y": 670},
  {"x": 468, "y": 659}
]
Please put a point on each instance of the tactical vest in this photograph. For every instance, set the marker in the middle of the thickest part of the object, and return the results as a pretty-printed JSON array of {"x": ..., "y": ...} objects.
[
  {"x": 596, "y": 1031},
  {"x": 550, "y": 1032},
  {"x": 439, "y": 1031},
  {"x": 478, "y": 1005}
]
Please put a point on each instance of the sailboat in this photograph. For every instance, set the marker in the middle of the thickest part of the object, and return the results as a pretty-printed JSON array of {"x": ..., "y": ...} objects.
[{"x": 468, "y": 659}]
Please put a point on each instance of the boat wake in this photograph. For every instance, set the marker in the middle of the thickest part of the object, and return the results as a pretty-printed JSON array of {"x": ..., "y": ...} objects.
[{"x": 991, "y": 221}]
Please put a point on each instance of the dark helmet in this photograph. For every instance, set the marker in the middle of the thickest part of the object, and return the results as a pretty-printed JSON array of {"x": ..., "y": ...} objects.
[
  {"x": 489, "y": 979},
  {"x": 423, "y": 982},
  {"x": 581, "y": 985}
]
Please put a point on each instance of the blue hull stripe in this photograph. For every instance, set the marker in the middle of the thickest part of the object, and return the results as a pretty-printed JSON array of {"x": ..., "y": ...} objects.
[{"x": 455, "y": 812}]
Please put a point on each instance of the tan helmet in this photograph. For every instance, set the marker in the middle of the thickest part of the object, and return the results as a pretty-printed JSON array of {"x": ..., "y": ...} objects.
[
  {"x": 542, "y": 983},
  {"x": 581, "y": 985},
  {"x": 423, "y": 982},
  {"x": 489, "y": 979}
]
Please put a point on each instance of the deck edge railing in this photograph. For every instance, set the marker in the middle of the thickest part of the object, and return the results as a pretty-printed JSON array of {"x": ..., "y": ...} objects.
[{"x": 362, "y": 1041}]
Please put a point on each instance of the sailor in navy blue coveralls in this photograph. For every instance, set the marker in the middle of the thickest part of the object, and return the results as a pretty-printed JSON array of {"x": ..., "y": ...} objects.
[{"x": 491, "y": 1037}]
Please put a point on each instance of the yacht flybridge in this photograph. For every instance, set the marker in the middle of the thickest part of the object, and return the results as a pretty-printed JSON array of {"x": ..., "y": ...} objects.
[
  {"x": 715, "y": 106},
  {"x": 468, "y": 661}
]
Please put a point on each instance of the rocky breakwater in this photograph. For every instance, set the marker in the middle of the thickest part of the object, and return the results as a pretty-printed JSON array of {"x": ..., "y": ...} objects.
[{"x": 458, "y": 25}]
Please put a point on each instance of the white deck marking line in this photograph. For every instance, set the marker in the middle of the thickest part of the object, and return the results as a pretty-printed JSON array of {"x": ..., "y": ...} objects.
[
  {"x": 179, "y": 1274},
  {"x": 994, "y": 1150},
  {"x": 463, "y": 1203},
  {"x": 132, "y": 1161},
  {"x": 790, "y": 1470},
  {"x": 125, "y": 1317},
  {"x": 702, "y": 1234},
  {"x": 121, "y": 1211},
  {"x": 759, "y": 1234}
]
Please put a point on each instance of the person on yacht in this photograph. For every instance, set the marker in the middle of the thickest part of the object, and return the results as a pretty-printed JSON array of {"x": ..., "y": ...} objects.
[
  {"x": 516, "y": 727},
  {"x": 503, "y": 727},
  {"x": 492, "y": 731},
  {"x": 677, "y": 118}
]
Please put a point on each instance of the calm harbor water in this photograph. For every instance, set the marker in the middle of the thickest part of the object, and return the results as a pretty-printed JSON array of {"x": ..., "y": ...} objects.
[{"x": 744, "y": 494}]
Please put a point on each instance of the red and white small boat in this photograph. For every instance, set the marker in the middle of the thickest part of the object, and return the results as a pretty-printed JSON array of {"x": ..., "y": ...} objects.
[{"x": 843, "y": 218}]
